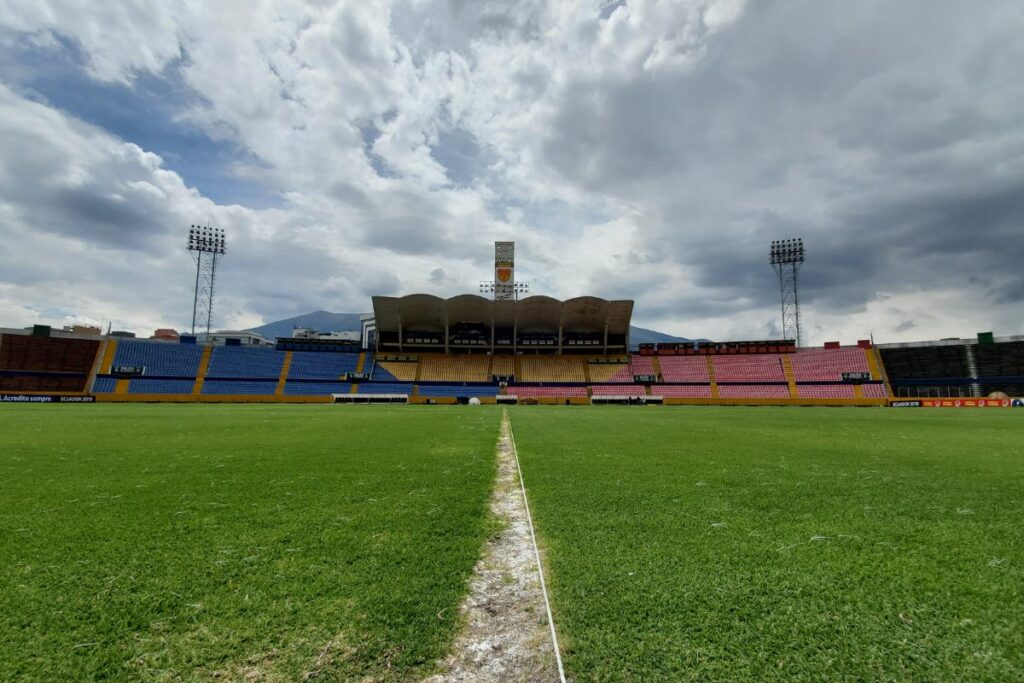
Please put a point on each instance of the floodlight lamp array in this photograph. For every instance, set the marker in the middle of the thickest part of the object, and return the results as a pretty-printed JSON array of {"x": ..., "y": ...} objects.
[
  {"x": 786, "y": 251},
  {"x": 206, "y": 239}
]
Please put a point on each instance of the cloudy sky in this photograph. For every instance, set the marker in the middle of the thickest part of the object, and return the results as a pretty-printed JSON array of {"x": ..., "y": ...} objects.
[{"x": 632, "y": 149}]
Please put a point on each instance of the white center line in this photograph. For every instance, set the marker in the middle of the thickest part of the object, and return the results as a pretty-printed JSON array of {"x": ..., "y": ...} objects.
[{"x": 536, "y": 552}]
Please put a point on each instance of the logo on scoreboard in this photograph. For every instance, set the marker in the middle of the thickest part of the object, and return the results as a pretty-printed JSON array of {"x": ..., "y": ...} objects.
[{"x": 503, "y": 273}]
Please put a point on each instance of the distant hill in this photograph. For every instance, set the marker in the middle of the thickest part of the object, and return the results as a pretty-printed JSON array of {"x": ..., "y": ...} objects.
[
  {"x": 321, "y": 321},
  {"x": 324, "y": 321}
]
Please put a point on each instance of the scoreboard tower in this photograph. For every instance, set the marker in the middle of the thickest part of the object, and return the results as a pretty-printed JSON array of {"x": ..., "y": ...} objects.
[{"x": 504, "y": 286}]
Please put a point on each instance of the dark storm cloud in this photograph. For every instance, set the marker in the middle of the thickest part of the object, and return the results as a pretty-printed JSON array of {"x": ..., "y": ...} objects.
[{"x": 884, "y": 134}]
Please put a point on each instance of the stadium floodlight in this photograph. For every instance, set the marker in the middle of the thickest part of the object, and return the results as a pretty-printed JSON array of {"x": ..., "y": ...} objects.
[
  {"x": 206, "y": 245},
  {"x": 786, "y": 257},
  {"x": 516, "y": 288}
]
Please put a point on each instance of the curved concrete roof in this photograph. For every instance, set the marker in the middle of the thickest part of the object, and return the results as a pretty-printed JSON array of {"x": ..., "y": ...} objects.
[{"x": 533, "y": 314}]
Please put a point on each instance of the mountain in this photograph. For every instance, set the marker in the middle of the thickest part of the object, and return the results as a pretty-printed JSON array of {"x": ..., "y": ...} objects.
[
  {"x": 640, "y": 335},
  {"x": 323, "y": 321}
]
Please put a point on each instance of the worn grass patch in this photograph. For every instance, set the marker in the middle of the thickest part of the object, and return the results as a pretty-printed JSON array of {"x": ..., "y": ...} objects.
[
  {"x": 752, "y": 544},
  {"x": 174, "y": 542}
]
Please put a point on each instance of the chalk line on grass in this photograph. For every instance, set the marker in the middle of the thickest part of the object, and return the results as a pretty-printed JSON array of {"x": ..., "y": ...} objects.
[{"x": 504, "y": 637}]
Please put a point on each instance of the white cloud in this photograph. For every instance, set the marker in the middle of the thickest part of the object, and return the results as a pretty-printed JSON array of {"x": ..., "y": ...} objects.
[{"x": 647, "y": 149}]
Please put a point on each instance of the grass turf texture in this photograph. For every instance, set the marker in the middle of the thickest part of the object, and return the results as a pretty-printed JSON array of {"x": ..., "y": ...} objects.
[
  {"x": 753, "y": 544},
  {"x": 174, "y": 542}
]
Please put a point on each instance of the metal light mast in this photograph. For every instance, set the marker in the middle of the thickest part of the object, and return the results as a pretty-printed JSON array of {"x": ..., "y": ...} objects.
[
  {"x": 206, "y": 245},
  {"x": 786, "y": 257},
  {"x": 504, "y": 286}
]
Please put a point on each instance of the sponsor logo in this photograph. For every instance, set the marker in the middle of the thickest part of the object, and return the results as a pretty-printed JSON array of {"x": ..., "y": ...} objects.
[
  {"x": 905, "y": 404},
  {"x": 503, "y": 274}
]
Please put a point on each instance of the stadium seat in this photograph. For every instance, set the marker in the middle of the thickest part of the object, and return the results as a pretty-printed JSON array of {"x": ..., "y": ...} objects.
[
  {"x": 142, "y": 385},
  {"x": 827, "y": 365},
  {"x": 552, "y": 369},
  {"x": 682, "y": 368},
  {"x": 104, "y": 385},
  {"x": 239, "y": 387},
  {"x": 245, "y": 363},
  {"x": 458, "y": 368},
  {"x": 765, "y": 367},
  {"x": 753, "y": 390},
  {"x": 321, "y": 365},
  {"x": 618, "y": 390},
  {"x": 874, "y": 390},
  {"x": 682, "y": 390},
  {"x": 385, "y": 388},
  {"x": 543, "y": 392},
  {"x": 825, "y": 390},
  {"x": 316, "y": 388},
  {"x": 161, "y": 359},
  {"x": 448, "y": 390}
]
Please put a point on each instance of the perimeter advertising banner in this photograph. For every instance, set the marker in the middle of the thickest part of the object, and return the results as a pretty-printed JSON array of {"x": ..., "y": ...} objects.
[
  {"x": 44, "y": 398},
  {"x": 960, "y": 403}
]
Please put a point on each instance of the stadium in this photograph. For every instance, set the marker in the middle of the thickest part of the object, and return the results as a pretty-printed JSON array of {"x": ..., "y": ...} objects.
[
  {"x": 514, "y": 341},
  {"x": 772, "y": 536}
]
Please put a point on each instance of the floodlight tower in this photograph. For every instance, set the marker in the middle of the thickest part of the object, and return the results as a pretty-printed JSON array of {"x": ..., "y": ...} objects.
[
  {"x": 206, "y": 245},
  {"x": 786, "y": 257},
  {"x": 504, "y": 286}
]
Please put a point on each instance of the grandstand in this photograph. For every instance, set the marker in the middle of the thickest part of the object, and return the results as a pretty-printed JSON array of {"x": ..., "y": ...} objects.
[{"x": 450, "y": 350}]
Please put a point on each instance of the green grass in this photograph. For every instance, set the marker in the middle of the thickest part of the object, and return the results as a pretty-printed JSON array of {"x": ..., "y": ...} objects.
[
  {"x": 184, "y": 542},
  {"x": 755, "y": 544}
]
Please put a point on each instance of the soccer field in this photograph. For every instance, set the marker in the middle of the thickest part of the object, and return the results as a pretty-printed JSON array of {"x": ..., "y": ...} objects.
[
  {"x": 752, "y": 544},
  {"x": 169, "y": 542},
  {"x": 191, "y": 542}
]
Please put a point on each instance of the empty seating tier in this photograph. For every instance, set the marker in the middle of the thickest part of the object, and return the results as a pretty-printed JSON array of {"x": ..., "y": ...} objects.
[
  {"x": 390, "y": 371},
  {"x": 46, "y": 354},
  {"x": 753, "y": 390},
  {"x": 244, "y": 363},
  {"x": 610, "y": 372},
  {"x": 322, "y": 365},
  {"x": 754, "y": 368},
  {"x": 827, "y": 365},
  {"x": 162, "y": 359},
  {"x": 683, "y": 368},
  {"x": 385, "y": 388},
  {"x": 448, "y": 390},
  {"x": 552, "y": 369},
  {"x": 682, "y": 390},
  {"x": 618, "y": 390},
  {"x": 141, "y": 385},
  {"x": 55, "y": 382},
  {"x": 316, "y": 388},
  {"x": 462, "y": 368},
  {"x": 546, "y": 392},
  {"x": 237, "y": 387},
  {"x": 104, "y": 385},
  {"x": 825, "y": 390},
  {"x": 503, "y": 366},
  {"x": 874, "y": 391}
]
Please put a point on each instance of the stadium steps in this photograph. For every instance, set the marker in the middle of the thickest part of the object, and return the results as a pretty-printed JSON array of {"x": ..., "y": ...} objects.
[
  {"x": 490, "y": 367},
  {"x": 354, "y": 389},
  {"x": 711, "y": 376},
  {"x": 204, "y": 364},
  {"x": 419, "y": 372},
  {"x": 361, "y": 363},
  {"x": 586, "y": 376},
  {"x": 787, "y": 367},
  {"x": 877, "y": 368},
  {"x": 108, "y": 357},
  {"x": 121, "y": 388},
  {"x": 285, "y": 367},
  {"x": 858, "y": 391},
  {"x": 98, "y": 361},
  {"x": 657, "y": 368}
]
